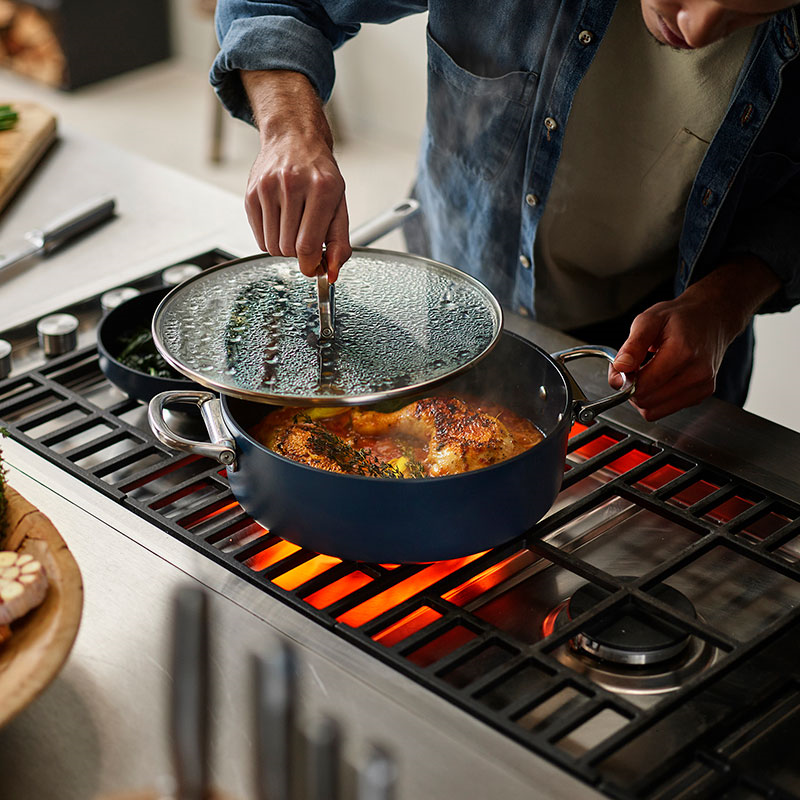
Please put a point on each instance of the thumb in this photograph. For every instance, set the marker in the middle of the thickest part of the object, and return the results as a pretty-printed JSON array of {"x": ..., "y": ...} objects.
[
  {"x": 644, "y": 334},
  {"x": 338, "y": 248}
]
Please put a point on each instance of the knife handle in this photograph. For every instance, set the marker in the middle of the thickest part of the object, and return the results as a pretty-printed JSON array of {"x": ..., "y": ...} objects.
[
  {"x": 276, "y": 731},
  {"x": 189, "y": 700},
  {"x": 69, "y": 225}
]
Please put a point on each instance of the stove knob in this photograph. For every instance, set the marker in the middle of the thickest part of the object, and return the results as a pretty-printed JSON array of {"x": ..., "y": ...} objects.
[
  {"x": 114, "y": 297},
  {"x": 172, "y": 276},
  {"x": 5, "y": 359},
  {"x": 58, "y": 334}
]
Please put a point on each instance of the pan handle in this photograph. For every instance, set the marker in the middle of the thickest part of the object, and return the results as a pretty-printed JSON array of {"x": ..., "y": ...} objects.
[
  {"x": 586, "y": 410},
  {"x": 366, "y": 233},
  {"x": 222, "y": 446}
]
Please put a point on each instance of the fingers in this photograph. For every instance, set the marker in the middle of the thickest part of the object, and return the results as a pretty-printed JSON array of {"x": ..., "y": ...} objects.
[
  {"x": 295, "y": 207},
  {"x": 645, "y": 332},
  {"x": 324, "y": 222},
  {"x": 684, "y": 361},
  {"x": 253, "y": 209},
  {"x": 671, "y": 382}
]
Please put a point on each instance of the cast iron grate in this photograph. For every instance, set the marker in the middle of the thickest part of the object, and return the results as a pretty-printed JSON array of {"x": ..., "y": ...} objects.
[{"x": 430, "y": 621}]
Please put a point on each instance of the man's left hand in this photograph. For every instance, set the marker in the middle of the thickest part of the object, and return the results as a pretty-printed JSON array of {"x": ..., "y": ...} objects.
[{"x": 687, "y": 337}]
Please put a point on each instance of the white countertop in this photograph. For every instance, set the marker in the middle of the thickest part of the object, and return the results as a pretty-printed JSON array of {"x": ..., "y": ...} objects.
[{"x": 162, "y": 217}]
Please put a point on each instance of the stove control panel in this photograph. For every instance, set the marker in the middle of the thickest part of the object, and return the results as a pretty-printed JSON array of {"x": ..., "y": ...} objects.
[{"x": 75, "y": 326}]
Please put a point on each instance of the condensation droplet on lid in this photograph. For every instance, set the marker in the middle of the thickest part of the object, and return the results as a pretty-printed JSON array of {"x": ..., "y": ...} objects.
[{"x": 273, "y": 311}]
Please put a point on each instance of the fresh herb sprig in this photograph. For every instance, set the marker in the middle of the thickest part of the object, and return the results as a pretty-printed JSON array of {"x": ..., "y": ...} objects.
[
  {"x": 139, "y": 353},
  {"x": 416, "y": 469},
  {"x": 351, "y": 459},
  {"x": 8, "y": 118}
]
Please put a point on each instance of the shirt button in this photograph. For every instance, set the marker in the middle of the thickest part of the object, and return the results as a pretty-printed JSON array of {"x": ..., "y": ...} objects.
[
  {"x": 585, "y": 37},
  {"x": 525, "y": 261},
  {"x": 531, "y": 200},
  {"x": 550, "y": 123}
]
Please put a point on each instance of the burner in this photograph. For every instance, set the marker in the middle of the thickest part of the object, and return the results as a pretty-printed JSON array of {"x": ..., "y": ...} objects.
[
  {"x": 635, "y": 638},
  {"x": 635, "y": 654}
]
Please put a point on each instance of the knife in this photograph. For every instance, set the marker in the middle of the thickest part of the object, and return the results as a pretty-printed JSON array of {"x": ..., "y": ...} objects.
[
  {"x": 189, "y": 699},
  {"x": 276, "y": 679},
  {"x": 43, "y": 241}
]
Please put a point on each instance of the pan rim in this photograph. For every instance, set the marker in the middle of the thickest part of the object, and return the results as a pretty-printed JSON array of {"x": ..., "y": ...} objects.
[{"x": 349, "y": 400}]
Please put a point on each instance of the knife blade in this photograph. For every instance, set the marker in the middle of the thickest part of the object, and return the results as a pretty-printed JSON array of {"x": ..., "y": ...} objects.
[{"x": 43, "y": 241}]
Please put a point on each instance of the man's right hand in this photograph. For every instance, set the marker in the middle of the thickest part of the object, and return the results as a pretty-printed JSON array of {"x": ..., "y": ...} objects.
[{"x": 295, "y": 198}]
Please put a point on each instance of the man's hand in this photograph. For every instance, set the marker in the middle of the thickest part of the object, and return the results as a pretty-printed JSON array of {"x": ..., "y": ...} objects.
[
  {"x": 687, "y": 337},
  {"x": 295, "y": 195}
]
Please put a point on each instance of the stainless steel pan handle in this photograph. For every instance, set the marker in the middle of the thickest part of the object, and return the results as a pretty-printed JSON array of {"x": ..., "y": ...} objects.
[
  {"x": 366, "y": 233},
  {"x": 586, "y": 410},
  {"x": 222, "y": 446}
]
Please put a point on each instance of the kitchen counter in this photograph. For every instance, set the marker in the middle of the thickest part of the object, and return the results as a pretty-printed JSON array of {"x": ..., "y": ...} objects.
[{"x": 102, "y": 724}]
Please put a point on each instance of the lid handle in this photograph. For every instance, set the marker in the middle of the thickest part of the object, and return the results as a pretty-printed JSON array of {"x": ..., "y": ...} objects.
[
  {"x": 325, "y": 293},
  {"x": 361, "y": 236}
]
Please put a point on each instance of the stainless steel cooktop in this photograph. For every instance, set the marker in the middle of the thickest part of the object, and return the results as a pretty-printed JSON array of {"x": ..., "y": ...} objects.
[{"x": 644, "y": 637}]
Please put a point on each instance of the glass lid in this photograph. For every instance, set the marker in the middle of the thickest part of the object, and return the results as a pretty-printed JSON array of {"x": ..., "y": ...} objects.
[{"x": 251, "y": 329}]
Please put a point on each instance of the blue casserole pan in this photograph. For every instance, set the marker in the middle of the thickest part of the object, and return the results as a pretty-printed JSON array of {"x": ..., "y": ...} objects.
[{"x": 384, "y": 520}]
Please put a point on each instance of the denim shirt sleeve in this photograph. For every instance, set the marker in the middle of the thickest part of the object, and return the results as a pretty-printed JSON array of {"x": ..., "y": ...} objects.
[
  {"x": 773, "y": 234},
  {"x": 299, "y": 36}
]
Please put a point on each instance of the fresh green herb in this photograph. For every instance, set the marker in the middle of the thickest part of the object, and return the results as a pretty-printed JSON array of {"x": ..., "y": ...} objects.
[
  {"x": 415, "y": 468},
  {"x": 351, "y": 459},
  {"x": 8, "y": 118},
  {"x": 139, "y": 353}
]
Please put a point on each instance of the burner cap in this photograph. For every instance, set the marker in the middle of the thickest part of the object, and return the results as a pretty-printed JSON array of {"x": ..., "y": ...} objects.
[{"x": 636, "y": 638}]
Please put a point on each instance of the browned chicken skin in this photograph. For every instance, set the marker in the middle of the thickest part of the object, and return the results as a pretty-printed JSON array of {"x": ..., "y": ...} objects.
[
  {"x": 432, "y": 437},
  {"x": 459, "y": 438},
  {"x": 298, "y": 442},
  {"x": 303, "y": 441}
]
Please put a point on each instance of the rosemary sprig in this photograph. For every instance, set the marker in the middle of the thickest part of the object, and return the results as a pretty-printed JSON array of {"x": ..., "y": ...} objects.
[{"x": 139, "y": 353}]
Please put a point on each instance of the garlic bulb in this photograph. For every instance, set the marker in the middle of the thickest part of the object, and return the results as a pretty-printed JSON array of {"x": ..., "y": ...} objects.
[{"x": 23, "y": 585}]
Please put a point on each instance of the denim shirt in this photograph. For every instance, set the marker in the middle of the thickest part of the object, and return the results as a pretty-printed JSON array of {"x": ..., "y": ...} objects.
[{"x": 501, "y": 79}]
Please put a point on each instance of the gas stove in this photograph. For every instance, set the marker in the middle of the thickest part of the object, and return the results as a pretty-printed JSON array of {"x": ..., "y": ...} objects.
[{"x": 644, "y": 636}]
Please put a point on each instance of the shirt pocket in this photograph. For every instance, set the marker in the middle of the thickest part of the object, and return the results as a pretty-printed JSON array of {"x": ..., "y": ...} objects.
[
  {"x": 667, "y": 184},
  {"x": 473, "y": 119}
]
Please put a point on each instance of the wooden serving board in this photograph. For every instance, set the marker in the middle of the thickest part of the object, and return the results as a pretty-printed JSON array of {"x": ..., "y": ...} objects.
[
  {"x": 40, "y": 642},
  {"x": 24, "y": 145}
]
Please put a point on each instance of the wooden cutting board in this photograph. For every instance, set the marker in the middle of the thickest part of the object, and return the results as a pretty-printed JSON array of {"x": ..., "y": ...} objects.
[
  {"x": 41, "y": 640},
  {"x": 22, "y": 147}
]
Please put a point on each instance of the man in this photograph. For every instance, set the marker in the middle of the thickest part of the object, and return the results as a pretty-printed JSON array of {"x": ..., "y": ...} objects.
[{"x": 629, "y": 175}]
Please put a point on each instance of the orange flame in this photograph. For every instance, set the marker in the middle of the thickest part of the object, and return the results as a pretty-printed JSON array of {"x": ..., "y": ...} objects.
[
  {"x": 408, "y": 625},
  {"x": 305, "y": 572},
  {"x": 272, "y": 555},
  {"x": 394, "y": 595},
  {"x": 549, "y": 622},
  {"x": 338, "y": 589}
]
